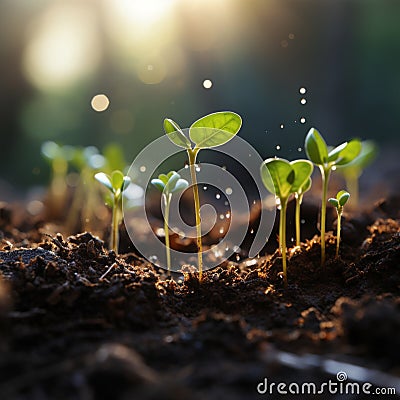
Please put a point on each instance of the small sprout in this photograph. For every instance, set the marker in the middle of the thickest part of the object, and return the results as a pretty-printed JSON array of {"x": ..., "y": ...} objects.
[
  {"x": 299, "y": 199},
  {"x": 354, "y": 169},
  {"x": 167, "y": 185},
  {"x": 318, "y": 152},
  {"x": 210, "y": 131},
  {"x": 338, "y": 203},
  {"x": 116, "y": 183},
  {"x": 284, "y": 178}
]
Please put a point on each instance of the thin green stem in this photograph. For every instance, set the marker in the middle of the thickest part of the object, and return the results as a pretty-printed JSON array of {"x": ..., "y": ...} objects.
[
  {"x": 339, "y": 220},
  {"x": 192, "y": 164},
  {"x": 282, "y": 230},
  {"x": 167, "y": 203},
  {"x": 299, "y": 199},
  {"x": 114, "y": 239},
  {"x": 325, "y": 174}
]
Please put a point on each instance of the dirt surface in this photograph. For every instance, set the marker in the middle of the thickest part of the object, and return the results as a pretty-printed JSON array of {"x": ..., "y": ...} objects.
[{"x": 79, "y": 322}]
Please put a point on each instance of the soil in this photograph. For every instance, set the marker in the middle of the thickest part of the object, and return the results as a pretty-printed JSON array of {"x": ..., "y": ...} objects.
[{"x": 79, "y": 322}]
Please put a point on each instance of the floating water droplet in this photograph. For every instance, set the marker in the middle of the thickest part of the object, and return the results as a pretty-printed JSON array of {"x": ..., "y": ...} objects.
[
  {"x": 292, "y": 239},
  {"x": 142, "y": 168},
  {"x": 282, "y": 126},
  {"x": 227, "y": 248},
  {"x": 302, "y": 90},
  {"x": 228, "y": 191},
  {"x": 153, "y": 259},
  {"x": 207, "y": 83},
  {"x": 299, "y": 149},
  {"x": 302, "y": 120},
  {"x": 303, "y": 221},
  {"x": 252, "y": 231},
  {"x": 221, "y": 216},
  {"x": 226, "y": 203},
  {"x": 237, "y": 257},
  {"x": 221, "y": 231},
  {"x": 205, "y": 187},
  {"x": 236, "y": 249},
  {"x": 186, "y": 166},
  {"x": 334, "y": 168},
  {"x": 303, "y": 101},
  {"x": 228, "y": 215},
  {"x": 217, "y": 196},
  {"x": 278, "y": 147}
]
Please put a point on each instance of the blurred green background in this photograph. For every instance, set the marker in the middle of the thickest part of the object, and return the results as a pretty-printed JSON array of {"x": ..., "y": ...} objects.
[{"x": 185, "y": 58}]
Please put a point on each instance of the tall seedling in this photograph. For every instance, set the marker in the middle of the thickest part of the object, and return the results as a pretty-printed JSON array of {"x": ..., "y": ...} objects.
[
  {"x": 283, "y": 178},
  {"x": 327, "y": 160},
  {"x": 207, "y": 132}
]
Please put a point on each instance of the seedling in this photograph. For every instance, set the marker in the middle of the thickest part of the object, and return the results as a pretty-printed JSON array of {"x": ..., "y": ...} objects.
[
  {"x": 338, "y": 203},
  {"x": 299, "y": 199},
  {"x": 169, "y": 184},
  {"x": 328, "y": 160},
  {"x": 283, "y": 178},
  {"x": 210, "y": 131},
  {"x": 116, "y": 184},
  {"x": 354, "y": 169}
]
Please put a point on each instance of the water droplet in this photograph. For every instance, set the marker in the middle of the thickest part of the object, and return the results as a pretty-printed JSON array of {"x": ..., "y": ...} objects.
[
  {"x": 303, "y": 101},
  {"x": 278, "y": 147},
  {"x": 302, "y": 90},
  {"x": 153, "y": 259},
  {"x": 186, "y": 166},
  {"x": 198, "y": 168},
  {"x": 237, "y": 257},
  {"x": 291, "y": 36},
  {"x": 205, "y": 187},
  {"x": 292, "y": 239},
  {"x": 142, "y": 168},
  {"x": 228, "y": 191},
  {"x": 221, "y": 216},
  {"x": 334, "y": 168},
  {"x": 303, "y": 221},
  {"x": 217, "y": 196},
  {"x": 224, "y": 167},
  {"x": 228, "y": 215},
  {"x": 302, "y": 120},
  {"x": 251, "y": 232},
  {"x": 282, "y": 126},
  {"x": 226, "y": 203},
  {"x": 299, "y": 149},
  {"x": 254, "y": 202},
  {"x": 207, "y": 83},
  {"x": 221, "y": 231},
  {"x": 226, "y": 248}
]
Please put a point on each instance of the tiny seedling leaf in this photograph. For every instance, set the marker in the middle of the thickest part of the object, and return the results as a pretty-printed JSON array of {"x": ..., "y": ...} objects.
[
  {"x": 315, "y": 147},
  {"x": 175, "y": 134},
  {"x": 181, "y": 185},
  {"x": 172, "y": 179},
  {"x": 302, "y": 171},
  {"x": 367, "y": 154},
  {"x": 159, "y": 184},
  {"x": 278, "y": 176},
  {"x": 342, "y": 197},
  {"x": 104, "y": 180},
  {"x": 117, "y": 180},
  {"x": 215, "y": 129},
  {"x": 333, "y": 202},
  {"x": 306, "y": 187},
  {"x": 334, "y": 153},
  {"x": 349, "y": 153}
]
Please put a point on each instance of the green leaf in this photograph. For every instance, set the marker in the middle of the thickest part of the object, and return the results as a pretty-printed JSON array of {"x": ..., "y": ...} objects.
[
  {"x": 349, "y": 153},
  {"x": 181, "y": 185},
  {"x": 126, "y": 183},
  {"x": 342, "y": 197},
  {"x": 173, "y": 178},
  {"x": 158, "y": 183},
  {"x": 117, "y": 180},
  {"x": 315, "y": 147},
  {"x": 334, "y": 202},
  {"x": 175, "y": 134},
  {"x": 278, "y": 176},
  {"x": 114, "y": 157},
  {"x": 333, "y": 154},
  {"x": 306, "y": 187},
  {"x": 302, "y": 172},
  {"x": 215, "y": 129},
  {"x": 367, "y": 154},
  {"x": 104, "y": 180}
]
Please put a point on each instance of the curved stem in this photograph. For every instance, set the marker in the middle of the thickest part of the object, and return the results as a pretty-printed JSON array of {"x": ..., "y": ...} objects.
[
  {"x": 114, "y": 239},
  {"x": 339, "y": 220},
  {"x": 192, "y": 164},
  {"x": 299, "y": 198},
  {"x": 282, "y": 230},
  {"x": 325, "y": 173},
  {"x": 167, "y": 202}
]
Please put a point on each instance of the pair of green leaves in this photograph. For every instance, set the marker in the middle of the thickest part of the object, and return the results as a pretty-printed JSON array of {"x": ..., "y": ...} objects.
[
  {"x": 319, "y": 153},
  {"x": 170, "y": 183},
  {"x": 209, "y": 131},
  {"x": 340, "y": 200},
  {"x": 284, "y": 178},
  {"x": 116, "y": 183}
]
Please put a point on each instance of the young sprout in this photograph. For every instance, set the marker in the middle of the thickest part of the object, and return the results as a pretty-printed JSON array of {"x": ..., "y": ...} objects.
[
  {"x": 283, "y": 178},
  {"x": 354, "y": 169},
  {"x": 116, "y": 184},
  {"x": 210, "y": 131},
  {"x": 328, "y": 160},
  {"x": 169, "y": 184},
  {"x": 299, "y": 199},
  {"x": 338, "y": 203}
]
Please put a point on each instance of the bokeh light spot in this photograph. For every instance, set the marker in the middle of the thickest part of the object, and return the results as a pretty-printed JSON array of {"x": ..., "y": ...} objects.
[
  {"x": 207, "y": 84},
  {"x": 100, "y": 102}
]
